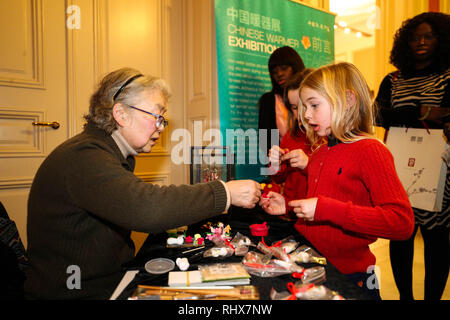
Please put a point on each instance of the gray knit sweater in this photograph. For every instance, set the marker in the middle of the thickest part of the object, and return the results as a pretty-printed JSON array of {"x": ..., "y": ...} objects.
[{"x": 84, "y": 201}]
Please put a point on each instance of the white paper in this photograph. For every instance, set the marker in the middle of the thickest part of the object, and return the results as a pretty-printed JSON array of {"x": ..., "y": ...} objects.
[{"x": 127, "y": 278}]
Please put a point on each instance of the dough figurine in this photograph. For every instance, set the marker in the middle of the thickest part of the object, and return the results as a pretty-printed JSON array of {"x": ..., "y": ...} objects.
[{"x": 266, "y": 188}]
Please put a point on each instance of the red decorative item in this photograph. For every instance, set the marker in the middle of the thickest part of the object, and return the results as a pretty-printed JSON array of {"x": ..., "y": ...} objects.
[
  {"x": 259, "y": 230},
  {"x": 266, "y": 188}
]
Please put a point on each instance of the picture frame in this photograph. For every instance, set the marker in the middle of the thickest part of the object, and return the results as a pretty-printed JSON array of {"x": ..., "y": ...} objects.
[{"x": 209, "y": 163}]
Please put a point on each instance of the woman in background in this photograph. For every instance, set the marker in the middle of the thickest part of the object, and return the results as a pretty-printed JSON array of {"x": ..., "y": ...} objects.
[
  {"x": 417, "y": 96},
  {"x": 283, "y": 63}
]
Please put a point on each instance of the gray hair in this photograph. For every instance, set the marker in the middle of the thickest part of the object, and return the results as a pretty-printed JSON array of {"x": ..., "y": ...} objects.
[{"x": 102, "y": 101}]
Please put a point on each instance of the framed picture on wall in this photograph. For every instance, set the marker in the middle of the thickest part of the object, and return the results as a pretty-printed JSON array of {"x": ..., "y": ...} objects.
[{"x": 211, "y": 163}]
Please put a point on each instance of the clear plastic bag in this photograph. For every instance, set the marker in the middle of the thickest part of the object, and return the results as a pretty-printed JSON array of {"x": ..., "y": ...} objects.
[
  {"x": 282, "y": 295},
  {"x": 288, "y": 244},
  {"x": 305, "y": 292},
  {"x": 241, "y": 244},
  {"x": 316, "y": 275},
  {"x": 292, "y": 267},
  {"x": 241, "y": 240},
  {"x": 314, "y": 292},
  {"x": 218, "y": 252},
  {"x": 280, "y": 249},
  {"x": 275, "y": 251},
  {"x": 254, "y": 264},
  {"x": 305, "y": 254}
]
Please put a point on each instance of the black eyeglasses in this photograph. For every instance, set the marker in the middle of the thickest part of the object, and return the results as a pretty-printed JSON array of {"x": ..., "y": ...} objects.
[{"x": 161, "y": 122}]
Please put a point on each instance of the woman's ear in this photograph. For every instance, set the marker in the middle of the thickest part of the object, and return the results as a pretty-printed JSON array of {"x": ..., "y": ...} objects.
[
  {"x": 350, "y": 98},
  {"x": 120, "y": 115}
]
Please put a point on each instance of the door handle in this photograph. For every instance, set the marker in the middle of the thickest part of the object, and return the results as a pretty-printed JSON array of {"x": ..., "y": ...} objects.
[{"x": 55, "y": 125}]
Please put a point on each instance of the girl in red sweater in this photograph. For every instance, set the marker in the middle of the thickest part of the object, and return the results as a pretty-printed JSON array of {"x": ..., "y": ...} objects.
[
  {"x": 283, "y": 158},
  {"x": 354, "y": 194}
]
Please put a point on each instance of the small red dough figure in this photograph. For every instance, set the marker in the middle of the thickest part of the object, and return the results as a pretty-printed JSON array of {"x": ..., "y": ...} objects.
[
  {"x": 266, "y": 188},
  {"x": 200, "y": 241},
  {"x": 188, "y": 239}
]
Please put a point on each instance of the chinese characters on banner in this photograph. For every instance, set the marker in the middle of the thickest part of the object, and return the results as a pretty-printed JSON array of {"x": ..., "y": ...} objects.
[{"x": 247, "y": 32}]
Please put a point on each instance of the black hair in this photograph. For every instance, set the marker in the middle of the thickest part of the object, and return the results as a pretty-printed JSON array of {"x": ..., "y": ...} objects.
[
  {"x": 401, "y": 54},
  {"x": 284, "y": 56}
]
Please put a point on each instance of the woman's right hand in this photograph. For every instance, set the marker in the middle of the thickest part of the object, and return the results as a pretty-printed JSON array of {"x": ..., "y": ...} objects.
[
  {"x": 273, "y": 204},
  {"x": 244, "y": 193}
]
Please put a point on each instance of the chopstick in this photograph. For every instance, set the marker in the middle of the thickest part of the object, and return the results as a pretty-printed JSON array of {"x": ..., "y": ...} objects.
[
  {"x": 246, "y": 292},
  {"x": 195, "y": 249}
]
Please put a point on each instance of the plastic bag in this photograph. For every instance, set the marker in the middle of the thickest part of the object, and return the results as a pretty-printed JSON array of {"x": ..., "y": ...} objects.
[
  {"x": 305, "y": 254},
  {"x": 254, "y": 264},
  {"x": 241, "y": 244},
  {"x": 288, "y": 244},
  {"x": 274, "y": 250},
  {"x": 279, "y": 249},
  {"x": 314, "y": 292},
  {"x": 218, "y": 252},
  {"x": 316, "y": 275},
  {"x": 305, "y": 292}
]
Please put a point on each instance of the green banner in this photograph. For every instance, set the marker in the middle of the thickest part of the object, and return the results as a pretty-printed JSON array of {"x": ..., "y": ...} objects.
[{"x": 247, "y": 32}]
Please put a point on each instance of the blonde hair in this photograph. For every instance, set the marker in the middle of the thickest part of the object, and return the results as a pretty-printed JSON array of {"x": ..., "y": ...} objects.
[
  {"x": 348, "y": 123},
  {"x": 102, "y": 101}
]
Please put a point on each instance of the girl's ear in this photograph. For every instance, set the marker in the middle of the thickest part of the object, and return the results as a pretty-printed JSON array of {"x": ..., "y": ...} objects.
[
  {"x": 350, "y": 98},
  {"x": 120, "y": 115}
]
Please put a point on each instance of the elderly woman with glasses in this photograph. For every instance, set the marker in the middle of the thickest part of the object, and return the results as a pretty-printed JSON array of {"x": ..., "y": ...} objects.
[{"x": 85, "y": 199}]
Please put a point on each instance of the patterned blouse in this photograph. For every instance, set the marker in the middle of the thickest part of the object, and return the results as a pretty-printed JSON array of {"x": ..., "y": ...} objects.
[{"x": 399, "y": 100}]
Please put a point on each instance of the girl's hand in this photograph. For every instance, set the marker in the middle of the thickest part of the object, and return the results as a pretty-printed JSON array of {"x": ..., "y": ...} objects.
[
  {"x": 273, "y": 204},
  {"x": 305, "y": 208},
  {"x": 297, "y": 158},
  {"x": 275, "y": 154}
]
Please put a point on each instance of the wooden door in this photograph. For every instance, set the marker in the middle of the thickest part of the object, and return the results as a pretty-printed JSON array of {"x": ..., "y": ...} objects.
[
  {"x": 53, "y": 53},
  {"x": 33, "y": 88}
]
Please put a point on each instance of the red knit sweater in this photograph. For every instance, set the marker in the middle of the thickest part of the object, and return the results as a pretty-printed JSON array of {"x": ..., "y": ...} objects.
[{"x": 360, "y": 198}]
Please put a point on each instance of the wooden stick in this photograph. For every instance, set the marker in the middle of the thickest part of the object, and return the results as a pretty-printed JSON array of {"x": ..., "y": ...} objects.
[
  {"x": 226, "y": 292},
  {"x": 246, "y": 292}
]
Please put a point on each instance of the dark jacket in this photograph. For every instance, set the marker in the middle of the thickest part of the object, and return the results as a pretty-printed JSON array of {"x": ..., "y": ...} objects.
[{"x": 84, "y": 201}]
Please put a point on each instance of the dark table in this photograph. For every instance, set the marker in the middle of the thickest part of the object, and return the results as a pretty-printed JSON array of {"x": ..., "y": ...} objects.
[{"x": 239, "y": 219}]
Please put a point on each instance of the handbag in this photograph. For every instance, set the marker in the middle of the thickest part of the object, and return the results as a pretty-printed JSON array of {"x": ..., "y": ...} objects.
[{"x": 418, "y": 157}]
